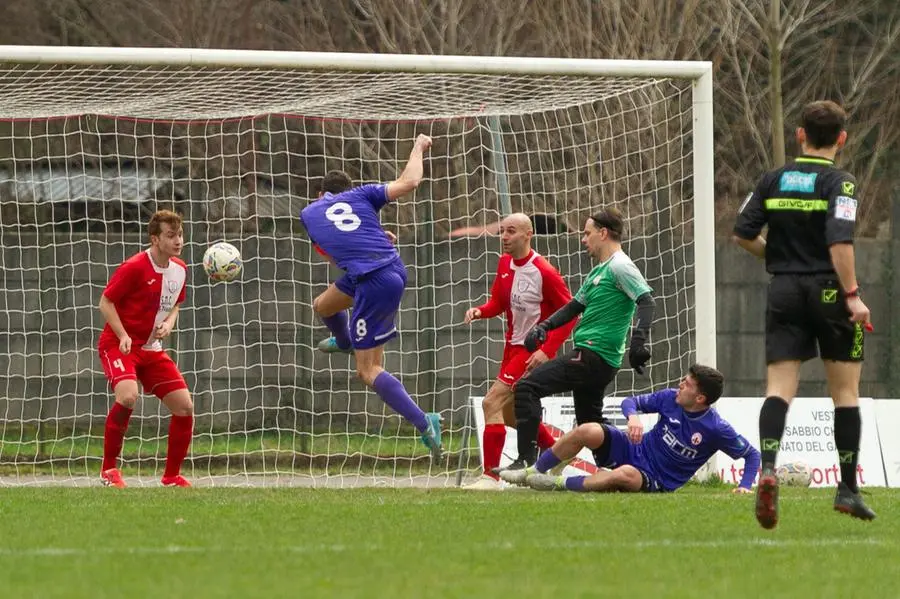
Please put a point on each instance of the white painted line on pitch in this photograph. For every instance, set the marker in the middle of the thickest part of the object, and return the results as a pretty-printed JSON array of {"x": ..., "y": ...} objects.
[{"x": 503, "y": 545}]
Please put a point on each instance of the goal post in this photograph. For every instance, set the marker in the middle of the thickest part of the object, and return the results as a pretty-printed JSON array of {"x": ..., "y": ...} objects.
[{"x": 93, "y": 140}]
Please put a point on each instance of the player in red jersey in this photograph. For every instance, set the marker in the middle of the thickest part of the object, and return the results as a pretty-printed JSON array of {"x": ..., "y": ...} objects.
[
  {"x": 140, "y": 305},
  {"x": 527, "y": 289}
]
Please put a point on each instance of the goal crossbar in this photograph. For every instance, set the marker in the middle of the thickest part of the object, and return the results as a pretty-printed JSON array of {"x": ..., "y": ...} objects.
[{"x": 351, "y": 61}]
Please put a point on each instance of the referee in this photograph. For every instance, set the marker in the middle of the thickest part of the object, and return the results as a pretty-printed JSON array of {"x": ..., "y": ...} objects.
[
  {"x": 614, "y": 290},
  {"x": 813, "y": 297}
]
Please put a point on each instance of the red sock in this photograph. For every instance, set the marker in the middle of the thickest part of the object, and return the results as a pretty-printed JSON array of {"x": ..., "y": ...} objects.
[
  {"x": 181, "y": 429},
  {"x": 545, "y": 438},
  {"x": 114, "y": 434},
  {"x": 492, "y": 441}
]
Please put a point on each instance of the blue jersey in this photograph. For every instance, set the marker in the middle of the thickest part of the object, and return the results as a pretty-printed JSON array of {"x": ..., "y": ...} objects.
[
  {"x": 682, "y": 442},
  {"x": 346, "y": 227}
]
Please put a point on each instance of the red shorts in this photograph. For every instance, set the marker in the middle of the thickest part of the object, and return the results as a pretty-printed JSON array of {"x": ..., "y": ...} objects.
[
  {"x": 156, "y": 370},
  {"x": 513, "y": 365}
]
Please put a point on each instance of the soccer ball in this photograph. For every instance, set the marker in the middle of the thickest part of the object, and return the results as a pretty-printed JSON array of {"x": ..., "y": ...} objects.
[
  {"x": 222, "y": 262},
  {"x": 794, "y": 474}
]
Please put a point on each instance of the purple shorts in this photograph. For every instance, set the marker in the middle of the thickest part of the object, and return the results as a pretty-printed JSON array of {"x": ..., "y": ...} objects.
[
  {"x": 376, "y": 300},
  {"x": 617, "y": 451}
]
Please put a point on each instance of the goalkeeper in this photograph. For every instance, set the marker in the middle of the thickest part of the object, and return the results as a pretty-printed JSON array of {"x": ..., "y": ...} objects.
[{"x": 607, "y": 301}]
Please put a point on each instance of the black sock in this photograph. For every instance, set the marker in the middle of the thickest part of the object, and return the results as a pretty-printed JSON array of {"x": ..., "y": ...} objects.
[
  {"x": 771, "y": 427},
  {"x": 526, "y": 435},
  {"x": 847, "y": 430}
]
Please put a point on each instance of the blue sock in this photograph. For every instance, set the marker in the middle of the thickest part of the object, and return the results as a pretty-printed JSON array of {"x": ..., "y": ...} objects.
[
  {"x": 393, "y": 394},
  {"x": 576, "y": 483},
  {"x": 339, "y": 325},
  {"x": 547, "y": 461}
]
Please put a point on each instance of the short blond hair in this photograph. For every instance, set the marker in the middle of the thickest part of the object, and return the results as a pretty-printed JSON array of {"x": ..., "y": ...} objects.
[{"x": 154, "y": 227}]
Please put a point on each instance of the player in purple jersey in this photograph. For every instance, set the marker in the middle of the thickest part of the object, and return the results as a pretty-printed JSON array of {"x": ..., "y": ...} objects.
[
  {"x": 344, "y": 226},
  {"x": 686, "y": 435}
]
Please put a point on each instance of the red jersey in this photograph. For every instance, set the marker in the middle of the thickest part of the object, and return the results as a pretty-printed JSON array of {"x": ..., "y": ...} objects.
[
  {"x": 528, "y": 290},
  {"x": 144, "y": 294}
]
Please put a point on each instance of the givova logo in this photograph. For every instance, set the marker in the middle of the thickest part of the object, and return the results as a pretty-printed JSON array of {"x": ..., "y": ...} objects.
[{"x": 797, "y": 181}]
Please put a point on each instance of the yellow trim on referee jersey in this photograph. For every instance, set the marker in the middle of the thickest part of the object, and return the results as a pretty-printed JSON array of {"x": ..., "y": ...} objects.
[
  {"x": 798, "y": 205},
  {"x": 807, "y": 160}
]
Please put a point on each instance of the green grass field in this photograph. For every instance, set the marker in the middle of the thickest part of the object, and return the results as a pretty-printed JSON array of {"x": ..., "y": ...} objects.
[
  {"x": 79, "y": 453},
  {"x": 239, "y": 542}
]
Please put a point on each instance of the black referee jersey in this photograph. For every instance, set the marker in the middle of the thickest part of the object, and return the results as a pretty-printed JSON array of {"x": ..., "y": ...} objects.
[{"x": 809, "y": 206}]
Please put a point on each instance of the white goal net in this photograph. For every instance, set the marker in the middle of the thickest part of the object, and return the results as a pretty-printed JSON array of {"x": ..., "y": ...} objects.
[{"x": 92, "y": 141}]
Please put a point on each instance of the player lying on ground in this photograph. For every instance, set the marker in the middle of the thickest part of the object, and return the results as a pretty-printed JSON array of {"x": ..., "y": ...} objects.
[
  {"x": 344, "y": 225},
  {"x": 686, "y": 436},
  {"x": 606, "y": 302},
  {"x": 140, "y": 306},
  {"x": 813, "y": 298},
  {"x": 526, "y": 289}
]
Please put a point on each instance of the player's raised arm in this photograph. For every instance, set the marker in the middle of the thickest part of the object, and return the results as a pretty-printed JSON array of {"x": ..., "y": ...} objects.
[{"x": 411, "y": 176}]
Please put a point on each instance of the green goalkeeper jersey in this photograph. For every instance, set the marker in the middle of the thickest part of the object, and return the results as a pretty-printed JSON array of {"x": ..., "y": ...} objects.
[{"x": 609, "y": 295}]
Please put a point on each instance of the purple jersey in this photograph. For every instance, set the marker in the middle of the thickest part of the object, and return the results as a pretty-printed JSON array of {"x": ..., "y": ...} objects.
[
  {"x": 347, "y": 228},
  {"x": 682, "y": 442}
]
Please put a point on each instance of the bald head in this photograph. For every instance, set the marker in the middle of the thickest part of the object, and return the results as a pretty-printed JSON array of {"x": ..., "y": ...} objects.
[
  {"x": 519, "y": 220},
  {"x": 515, "y": 234}
]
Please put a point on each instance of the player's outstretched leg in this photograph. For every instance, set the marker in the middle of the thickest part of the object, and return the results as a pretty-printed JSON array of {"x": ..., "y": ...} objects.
[
  {"x": 431, "y": 436},
  {"x": 625, "y": 478},
  {"x": 330, "y": 345},
  {"x": 181, "y": 429},
  {"x": 772, "y": 417},
  {"x": 590, "y": 435},
  {"x": 392, "y": 392},
  {"x": 843, "y": 384},
  {"x": 126, "y": 392},
  {"x": 767, "y": 499},
  {"x": 331, "y": 306},
  {"x": 548, "y": 378}
]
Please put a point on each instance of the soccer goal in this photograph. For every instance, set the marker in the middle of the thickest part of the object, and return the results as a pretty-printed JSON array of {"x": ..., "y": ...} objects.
[{"x": 93, "y": 140}]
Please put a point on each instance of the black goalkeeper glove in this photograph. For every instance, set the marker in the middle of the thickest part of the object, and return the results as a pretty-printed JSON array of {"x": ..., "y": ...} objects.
[
  {"x": 535, "y": 338},
  {"x": 638, "y": 354}
]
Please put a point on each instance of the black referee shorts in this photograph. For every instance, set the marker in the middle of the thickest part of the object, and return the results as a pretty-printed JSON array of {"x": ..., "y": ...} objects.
[{"x": 806, "y": 311}]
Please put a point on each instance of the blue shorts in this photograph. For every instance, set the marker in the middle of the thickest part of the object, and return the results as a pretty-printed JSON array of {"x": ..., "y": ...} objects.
[
  {"x": 376, "y": 300},
  {"x": 617, "y": 451}
]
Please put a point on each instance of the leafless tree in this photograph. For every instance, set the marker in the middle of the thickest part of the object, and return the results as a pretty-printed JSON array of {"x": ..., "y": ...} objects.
[{"x": 770, "y": 57}]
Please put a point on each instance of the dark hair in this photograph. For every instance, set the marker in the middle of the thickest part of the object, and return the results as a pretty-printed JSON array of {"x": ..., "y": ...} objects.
[
  {"x": 823, "y": 122},
  {"x": 710, "y": 382},
  {"x": 335, "y": 182},
  {"x": 611, "y": 219},
  {"x": 154, "y": 227}
]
